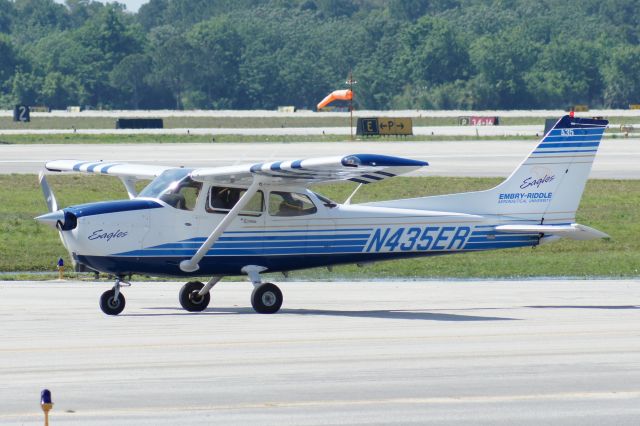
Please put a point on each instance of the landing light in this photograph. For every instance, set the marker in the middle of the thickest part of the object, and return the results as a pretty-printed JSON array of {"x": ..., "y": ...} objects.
[{"x": 351, "y": 161}]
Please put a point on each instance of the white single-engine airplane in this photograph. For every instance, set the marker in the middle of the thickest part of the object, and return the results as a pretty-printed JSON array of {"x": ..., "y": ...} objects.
[{"x": 248, "y": 219}]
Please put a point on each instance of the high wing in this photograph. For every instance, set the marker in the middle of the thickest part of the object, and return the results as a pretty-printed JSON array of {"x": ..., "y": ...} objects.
[
  {"x": 127, "y": 172},
  {"x": 121, "y": 170},
  {"x": 360, "y": 168}
]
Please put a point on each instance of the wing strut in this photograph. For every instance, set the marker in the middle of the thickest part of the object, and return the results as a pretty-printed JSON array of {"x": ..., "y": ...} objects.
[
  {"x": 191, "y": 265},
  {"x": 130, "y": 185}
]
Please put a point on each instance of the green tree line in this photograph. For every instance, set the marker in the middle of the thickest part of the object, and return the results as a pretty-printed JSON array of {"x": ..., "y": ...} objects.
[{"x": 258, "y": 54}]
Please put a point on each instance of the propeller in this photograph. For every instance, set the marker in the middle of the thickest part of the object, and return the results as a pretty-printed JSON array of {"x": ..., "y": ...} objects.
[
  {"x": 55, "y": 217},
  {"x": 49, "y": 197}
]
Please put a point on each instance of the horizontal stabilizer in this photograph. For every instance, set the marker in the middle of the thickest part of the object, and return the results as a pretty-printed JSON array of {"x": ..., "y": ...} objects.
[{"x": 574, "y": 231}]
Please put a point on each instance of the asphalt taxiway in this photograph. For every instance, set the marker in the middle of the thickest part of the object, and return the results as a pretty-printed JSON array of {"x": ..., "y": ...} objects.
[
  {"x": 455, "y": 352},
  {"x": 616, "y": 158}
]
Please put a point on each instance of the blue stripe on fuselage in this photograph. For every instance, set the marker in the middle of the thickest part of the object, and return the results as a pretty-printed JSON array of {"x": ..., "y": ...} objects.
[{"x": 104, "y": 207}]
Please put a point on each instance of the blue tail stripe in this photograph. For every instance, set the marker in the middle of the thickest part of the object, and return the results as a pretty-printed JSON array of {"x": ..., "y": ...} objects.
[
  {"x": 562, "y": 152},
  {"x": 588, "y": 138},
  {"x": 568, "y": 145}
]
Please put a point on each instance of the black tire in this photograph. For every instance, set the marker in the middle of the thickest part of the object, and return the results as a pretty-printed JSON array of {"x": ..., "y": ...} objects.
[
  {"x": 110, "y": 305},
  {"x": 189, "y": 298},
  {"x": 266, "y": 299}
]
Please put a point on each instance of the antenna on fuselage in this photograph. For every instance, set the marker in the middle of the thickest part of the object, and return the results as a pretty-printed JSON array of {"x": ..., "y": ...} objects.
[{"x": 348, "y": 200}]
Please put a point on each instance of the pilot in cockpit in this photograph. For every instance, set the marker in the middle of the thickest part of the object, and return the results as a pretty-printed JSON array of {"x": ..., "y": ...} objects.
[
  {"x": 224, "y": 198},
  {"x": 290, "y": 206}
]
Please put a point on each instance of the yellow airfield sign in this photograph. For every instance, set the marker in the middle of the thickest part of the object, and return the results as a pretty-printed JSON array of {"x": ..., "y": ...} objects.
[
  {"x": 395, "y": 126},
  {"x": 385, "y": 126}
]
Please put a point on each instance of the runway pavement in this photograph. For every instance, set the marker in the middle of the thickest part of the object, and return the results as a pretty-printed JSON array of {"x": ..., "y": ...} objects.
[
  {"x": 616, "y": 159},
  {"x": 458, "y": 352}
]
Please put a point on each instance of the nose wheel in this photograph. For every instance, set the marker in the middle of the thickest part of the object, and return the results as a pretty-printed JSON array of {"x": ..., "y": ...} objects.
[{"x": 112, "y": 303}]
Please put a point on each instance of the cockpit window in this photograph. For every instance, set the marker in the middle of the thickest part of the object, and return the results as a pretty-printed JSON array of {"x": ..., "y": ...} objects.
[
  {"x": 290, "y": 204},
  {"x": 222, "y": 199},
  {"x": 175, "y": 188}
]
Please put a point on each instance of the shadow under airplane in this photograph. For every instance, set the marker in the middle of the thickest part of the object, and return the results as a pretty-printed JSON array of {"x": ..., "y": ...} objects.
[
  {"x": 384, "y": 314},
  {"x": 583, "y": 307}
]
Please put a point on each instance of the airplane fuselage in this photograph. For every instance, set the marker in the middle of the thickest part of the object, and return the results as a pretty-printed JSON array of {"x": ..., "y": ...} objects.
[{"x": 151, "y": 237}]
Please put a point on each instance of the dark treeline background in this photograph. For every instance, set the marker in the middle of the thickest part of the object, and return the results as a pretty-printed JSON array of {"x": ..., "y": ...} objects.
[{"x": 251, "y": 54}]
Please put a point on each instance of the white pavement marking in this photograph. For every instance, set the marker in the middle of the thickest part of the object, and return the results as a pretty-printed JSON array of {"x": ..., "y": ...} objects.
[{"x": 481, "y": 352}]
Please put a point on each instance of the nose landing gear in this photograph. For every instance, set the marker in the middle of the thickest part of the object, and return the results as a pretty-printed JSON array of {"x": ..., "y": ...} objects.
[{"x": 112, "y": 301}]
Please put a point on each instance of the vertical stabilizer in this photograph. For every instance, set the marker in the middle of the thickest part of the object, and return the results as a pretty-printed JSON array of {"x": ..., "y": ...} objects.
[
  {"x": 551, "y": 180},
  {"x": 545, "y": 188}
]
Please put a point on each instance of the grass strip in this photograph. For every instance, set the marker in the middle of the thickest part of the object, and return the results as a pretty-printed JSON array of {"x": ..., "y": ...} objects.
[{"x": 318, "y": 120}]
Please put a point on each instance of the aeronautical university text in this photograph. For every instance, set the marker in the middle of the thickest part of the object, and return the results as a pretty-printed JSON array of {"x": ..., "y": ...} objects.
[{"x": 525, "y": 197}]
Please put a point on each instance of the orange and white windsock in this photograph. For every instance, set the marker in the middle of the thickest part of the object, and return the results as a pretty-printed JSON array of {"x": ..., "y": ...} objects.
[{"x": 336, "y": 95}]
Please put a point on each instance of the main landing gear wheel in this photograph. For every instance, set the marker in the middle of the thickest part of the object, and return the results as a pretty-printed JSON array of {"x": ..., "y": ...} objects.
[
  {"x": 110, "y": 304},
  {"x": 266, "y": 299},
  {"x": 190, "y": 299}
]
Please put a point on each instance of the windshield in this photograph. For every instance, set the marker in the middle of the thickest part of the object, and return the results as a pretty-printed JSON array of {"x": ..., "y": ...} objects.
[
  {"x": 166, "y": 183},
  {"x": 327, "y": 202}
]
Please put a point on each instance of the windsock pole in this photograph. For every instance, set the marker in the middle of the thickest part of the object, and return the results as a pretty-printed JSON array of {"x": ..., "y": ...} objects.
[{"x": 350, "y": 82}]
